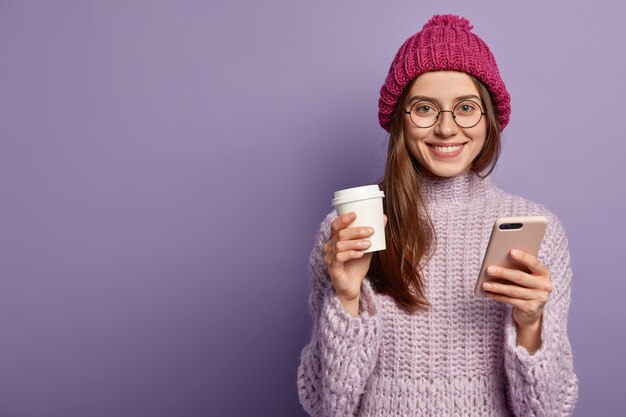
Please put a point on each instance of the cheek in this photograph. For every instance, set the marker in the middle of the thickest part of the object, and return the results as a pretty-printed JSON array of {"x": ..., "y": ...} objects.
[
  {"x": 414, "y": 147},
  {"x": 479, "y": 139},
  {"x": 480, "y": 144}
]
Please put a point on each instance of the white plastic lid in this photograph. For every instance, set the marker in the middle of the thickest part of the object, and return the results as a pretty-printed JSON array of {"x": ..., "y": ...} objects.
[{"x": 357, "y": 193}]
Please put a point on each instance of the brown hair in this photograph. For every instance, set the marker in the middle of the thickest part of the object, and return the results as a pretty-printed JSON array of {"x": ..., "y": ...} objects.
[{"x": 410, "y": 235}]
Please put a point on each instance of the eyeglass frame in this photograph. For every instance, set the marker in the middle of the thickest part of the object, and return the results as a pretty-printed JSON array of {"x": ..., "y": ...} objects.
[{"x": 482, "y": 113}]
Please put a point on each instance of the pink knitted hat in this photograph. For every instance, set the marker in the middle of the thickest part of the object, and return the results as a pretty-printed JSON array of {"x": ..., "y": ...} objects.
[{"x": 444, "y": 43}]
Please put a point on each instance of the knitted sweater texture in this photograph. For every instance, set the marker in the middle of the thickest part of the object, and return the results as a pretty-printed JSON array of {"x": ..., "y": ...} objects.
[{"x": 459, "y": 358}]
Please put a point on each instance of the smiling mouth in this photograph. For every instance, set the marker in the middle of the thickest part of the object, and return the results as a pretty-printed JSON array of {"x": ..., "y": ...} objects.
[{"x": 447, "y": 149}]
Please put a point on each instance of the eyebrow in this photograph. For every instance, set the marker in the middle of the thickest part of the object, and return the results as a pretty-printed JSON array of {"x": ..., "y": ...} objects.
[{"x": 460, "y": 98}]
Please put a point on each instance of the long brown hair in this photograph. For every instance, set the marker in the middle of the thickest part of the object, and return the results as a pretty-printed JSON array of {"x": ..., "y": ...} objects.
[{"x": 410, "y": 235}]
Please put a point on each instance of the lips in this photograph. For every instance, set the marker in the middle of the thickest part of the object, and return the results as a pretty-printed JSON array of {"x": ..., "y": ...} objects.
[{"x": 447, "y": 150}]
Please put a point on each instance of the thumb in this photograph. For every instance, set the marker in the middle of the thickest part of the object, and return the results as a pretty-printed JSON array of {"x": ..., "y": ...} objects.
[{"x": 385, "y": 216}]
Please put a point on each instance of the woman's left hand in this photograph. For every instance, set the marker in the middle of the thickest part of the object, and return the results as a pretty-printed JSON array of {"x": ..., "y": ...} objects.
[{"x": 528, "y": 292}]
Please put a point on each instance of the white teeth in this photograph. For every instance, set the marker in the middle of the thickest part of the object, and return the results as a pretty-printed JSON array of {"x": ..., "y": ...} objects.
[{"x": 447, "y": 149}]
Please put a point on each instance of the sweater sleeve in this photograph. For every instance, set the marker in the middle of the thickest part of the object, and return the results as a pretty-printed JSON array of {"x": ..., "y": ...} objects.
[
  {"x": 336, "y": 363},
  {"x": 544, "y": 383}
]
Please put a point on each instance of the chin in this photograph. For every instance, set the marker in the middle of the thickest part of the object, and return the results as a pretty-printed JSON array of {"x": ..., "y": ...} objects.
[{"x": 447, "y": 172}]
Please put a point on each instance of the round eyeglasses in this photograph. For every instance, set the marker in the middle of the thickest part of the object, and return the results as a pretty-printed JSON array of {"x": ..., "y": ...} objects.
[{"x": 466, "y": 113}]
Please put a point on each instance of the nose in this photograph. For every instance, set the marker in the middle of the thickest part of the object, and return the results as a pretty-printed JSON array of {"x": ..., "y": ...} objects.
[{"x": 445, "y": 125}]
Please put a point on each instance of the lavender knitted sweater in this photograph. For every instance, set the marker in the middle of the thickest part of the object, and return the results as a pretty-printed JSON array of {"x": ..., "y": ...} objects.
[{"x": 458, "y": 358}]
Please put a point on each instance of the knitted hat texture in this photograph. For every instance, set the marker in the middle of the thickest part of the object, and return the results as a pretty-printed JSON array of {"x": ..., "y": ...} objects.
[{"x": 444, "y": 43}]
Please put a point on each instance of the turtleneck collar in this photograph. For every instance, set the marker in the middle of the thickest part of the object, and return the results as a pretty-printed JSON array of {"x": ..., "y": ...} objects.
[{"x": 454, "y": 190}]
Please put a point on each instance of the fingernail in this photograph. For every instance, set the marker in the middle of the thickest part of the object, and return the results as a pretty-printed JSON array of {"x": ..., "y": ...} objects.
[
  {"x": 491, "y": 270},
  {"x": 514, "y": 253},
  {"x": 370, "y": 230},
  {"x": 486, "y": 285}
]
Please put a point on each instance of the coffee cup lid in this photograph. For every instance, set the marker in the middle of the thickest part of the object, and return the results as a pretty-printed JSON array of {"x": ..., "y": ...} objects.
[{"x": 357, "y": 193}]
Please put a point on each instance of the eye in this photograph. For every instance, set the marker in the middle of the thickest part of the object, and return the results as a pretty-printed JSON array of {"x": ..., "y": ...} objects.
[
  {"x": 467, "y": 107},
  {"x": 424, "y": 108}
]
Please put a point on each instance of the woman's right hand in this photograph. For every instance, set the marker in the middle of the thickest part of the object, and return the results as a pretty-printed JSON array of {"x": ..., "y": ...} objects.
[{"x": 344, "y": 258}]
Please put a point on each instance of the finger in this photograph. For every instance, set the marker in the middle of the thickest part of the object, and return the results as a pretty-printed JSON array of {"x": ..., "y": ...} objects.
[
  {"x": 516, "y": 302},
  {"x": 513, "y": 275},
  {"x": 385, "y": 216},
  {"x": 348, "y": 255},
  {"x": 520, "y": 278},
  {"x": 346, "y": 245},
  {"x": 531, "y": 262},
  {"x": 341, "y": 222},
  {"x": 352, "y": 233},
  {"x": 533, "y": 282},
  {"x": 512, "y": 291}
]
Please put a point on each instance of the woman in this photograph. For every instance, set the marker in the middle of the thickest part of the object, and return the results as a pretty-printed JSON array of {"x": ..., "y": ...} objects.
[{"x": 400, "y": 332}]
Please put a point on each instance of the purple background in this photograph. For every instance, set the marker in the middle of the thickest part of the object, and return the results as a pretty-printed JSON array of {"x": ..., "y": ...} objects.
[{"x": 164, "y": 166}]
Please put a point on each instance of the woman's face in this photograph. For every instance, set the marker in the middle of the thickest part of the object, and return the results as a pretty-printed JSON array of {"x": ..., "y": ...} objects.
[{"x": 444, "y": 149}]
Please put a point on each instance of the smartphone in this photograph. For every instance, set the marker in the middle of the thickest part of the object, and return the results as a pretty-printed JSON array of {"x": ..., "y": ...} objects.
[{"x": 524, "y": 233}]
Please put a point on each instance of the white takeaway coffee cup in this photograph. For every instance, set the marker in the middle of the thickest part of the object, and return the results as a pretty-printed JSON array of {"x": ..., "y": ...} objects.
[{"x": 367, "y": 203}]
